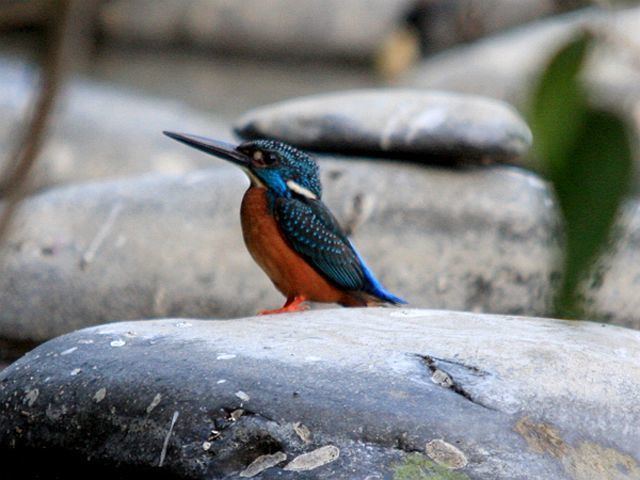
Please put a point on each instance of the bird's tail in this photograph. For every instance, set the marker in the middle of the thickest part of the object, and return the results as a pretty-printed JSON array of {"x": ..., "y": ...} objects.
[
  {"x": 375, "y": 287},
  {"x": 388, "y": 297}
]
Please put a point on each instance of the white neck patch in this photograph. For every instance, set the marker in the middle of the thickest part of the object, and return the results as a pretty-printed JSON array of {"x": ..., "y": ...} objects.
[
  {"x": 300, "y": 190},
  {"x": 255, "y": 181}
]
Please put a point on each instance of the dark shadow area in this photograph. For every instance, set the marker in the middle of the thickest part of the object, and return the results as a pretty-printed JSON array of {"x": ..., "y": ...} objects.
[{"x": 60, "y": 464}]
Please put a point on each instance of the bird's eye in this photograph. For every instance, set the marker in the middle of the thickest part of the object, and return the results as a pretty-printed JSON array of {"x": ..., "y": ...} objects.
[
  {"x": 270, "y": 159},
  {"x": 264, "y": 159}
]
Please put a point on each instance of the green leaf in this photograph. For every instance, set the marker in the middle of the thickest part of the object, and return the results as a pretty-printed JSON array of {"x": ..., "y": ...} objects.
[
  {"x": 559, "y": 103},
  {"x": 591, "y": 184},
  {"x": 587, "y": 157}
]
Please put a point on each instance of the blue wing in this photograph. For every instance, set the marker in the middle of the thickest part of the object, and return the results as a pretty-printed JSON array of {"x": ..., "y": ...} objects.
[{"x": 314, "y": 233}]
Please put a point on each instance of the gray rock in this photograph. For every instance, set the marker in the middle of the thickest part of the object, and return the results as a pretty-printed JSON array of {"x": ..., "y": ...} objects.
[
  {"x": 170, "y": 245},
  {"x": 609, "y": 290},
  {"x": 505, "y": 66},
  {"x": 526, "y": 398},
  {"x": 99, "y": 131},
  {"x": 312, "y": 28},
  {"x": 425, "y": 126}
]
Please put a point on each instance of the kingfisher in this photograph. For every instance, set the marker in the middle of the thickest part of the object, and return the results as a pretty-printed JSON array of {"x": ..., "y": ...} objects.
[{"x": 290, "y": 232}]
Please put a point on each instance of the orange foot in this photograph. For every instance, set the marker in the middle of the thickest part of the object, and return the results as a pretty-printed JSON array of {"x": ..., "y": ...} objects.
[{"x": 293, "y": 304}]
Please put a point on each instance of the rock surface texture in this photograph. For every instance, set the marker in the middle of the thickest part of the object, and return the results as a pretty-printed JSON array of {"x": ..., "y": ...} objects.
[
  {"x": 337, "y": 394},
  {"x": 426, "y": 126},
  {"x": 171, "y": 245}
]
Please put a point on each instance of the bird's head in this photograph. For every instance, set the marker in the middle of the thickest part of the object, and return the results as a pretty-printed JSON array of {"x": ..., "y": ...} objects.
[{"x": 281, "y": 168}]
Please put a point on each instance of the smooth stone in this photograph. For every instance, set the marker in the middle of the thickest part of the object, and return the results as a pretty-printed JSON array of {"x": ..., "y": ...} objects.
[
  {"x": 171, "y": 245},
  {"x": 425, "y": 126},
  {"x": 527, "y": 398},
  {"x": 100, "y": 131},
  {"x": 506, "y": 66},
  {"x": 309, "y": 28}
]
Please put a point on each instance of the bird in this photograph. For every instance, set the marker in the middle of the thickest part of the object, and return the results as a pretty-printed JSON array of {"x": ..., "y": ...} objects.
[{"x": 290, "y": 233}]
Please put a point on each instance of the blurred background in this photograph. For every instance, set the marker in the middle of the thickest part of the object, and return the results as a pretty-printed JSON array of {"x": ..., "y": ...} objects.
[
  {"x": 226, "y": 57},
  {"x": 104, "y": 219}
]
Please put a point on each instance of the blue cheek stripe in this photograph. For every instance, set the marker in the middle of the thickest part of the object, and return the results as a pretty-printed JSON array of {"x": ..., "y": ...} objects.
[
  {"x": 273, "y": 180},
  {"x": 276, "y": 186}
]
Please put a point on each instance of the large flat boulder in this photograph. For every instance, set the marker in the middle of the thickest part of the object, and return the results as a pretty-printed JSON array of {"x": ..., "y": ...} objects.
[{"x": 335, "y": 394}]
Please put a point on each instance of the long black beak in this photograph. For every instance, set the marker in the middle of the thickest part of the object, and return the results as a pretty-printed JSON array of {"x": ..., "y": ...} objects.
[{"x": 220, "y": 149}]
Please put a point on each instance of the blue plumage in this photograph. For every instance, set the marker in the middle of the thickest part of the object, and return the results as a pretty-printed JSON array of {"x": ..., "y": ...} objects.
[
  {"x": 315, "y": 234},
  {"x": 288, "y": 164},
  {"x": 293, "y": 197}
]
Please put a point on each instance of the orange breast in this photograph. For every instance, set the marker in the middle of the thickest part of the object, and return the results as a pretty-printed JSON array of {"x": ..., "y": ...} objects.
[{"x": 287, "y": 270}]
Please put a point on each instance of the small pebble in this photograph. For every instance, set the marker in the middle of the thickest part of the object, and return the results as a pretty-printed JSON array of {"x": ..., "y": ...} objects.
[
  {"x": 31, "y": 397},
  {"x": 314, "y": 459},
  {"x": 243, "y": 396},
  {"x": 441, "y": 378},
  {"x": 236, "y": 414},
  {"x": 302, "y": 431},
  {"x": 446, "y": 454},
  {"x": 263, "y": 462},
  {"x": 154, "y": 403},
  {"x": 100, "y": 394}
]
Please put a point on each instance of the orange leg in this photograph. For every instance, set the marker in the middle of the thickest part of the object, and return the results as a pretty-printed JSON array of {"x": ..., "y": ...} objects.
[{"x": 293, "y": 304}]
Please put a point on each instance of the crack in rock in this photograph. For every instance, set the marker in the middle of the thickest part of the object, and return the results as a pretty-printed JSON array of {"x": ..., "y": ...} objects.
[
  {"x": 441, "y": 377},
  {"x": 472, "y": 368},
  {"x": 226, "y": 417}
]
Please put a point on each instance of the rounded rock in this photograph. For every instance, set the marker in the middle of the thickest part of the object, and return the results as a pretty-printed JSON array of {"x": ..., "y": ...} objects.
[{"x": 426, "y": 126}]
